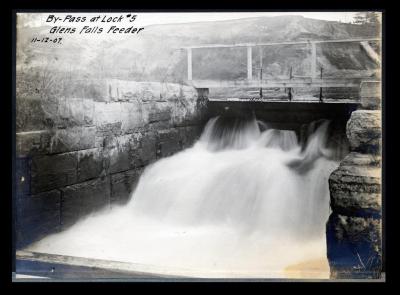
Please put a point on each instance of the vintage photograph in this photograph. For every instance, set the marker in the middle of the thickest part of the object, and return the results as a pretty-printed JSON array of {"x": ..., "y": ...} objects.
[{"x": 159, "y": 146}]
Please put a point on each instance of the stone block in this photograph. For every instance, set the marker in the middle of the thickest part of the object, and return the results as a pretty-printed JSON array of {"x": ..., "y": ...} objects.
[
  {"x": 123, "y": 184},
  {"x": 159, "y": 125},
  {"x": 364, "y": 131},
  {"x": 146, "y": 152},
  {"x": 131, "y": 90},
  {"x": 371, "y": 95},
  {"x": 33, "y": 142},
  {"x": 117, "y": 153},
  {"x": 81, "y": 199},
  {"x": 131, "y": 116},
  {"x": 22, "y": 176},
  {"x": 90, "y": 164},
  {"x": 76, "y": 111},
  {"x": 189, "y": 135},
  {"x": 157, "y": 111},
  {"x": 96, "y": 89},
  {"x": 168, "y": 148},
  {"x": 354, "y": 247},
  {"x": 168, "y": 142},
  {"x": 107, "y": 113},
  {"x": 358, "y": 159},
  {"x": 162, "y": 115},
  {"x": 148, "y": 91},
  {"x": 168, "y": 134},
  {"x": 35, "y": 114},
  {"x": 355, "y": 187},
  {"x": 108, "y": 130},
  {"x": 356, "y": 179},
  {"x": 119, "y": 159},
  {"x": 37, "y": 216},
  {"x": 53, "y": 171},
  {"x": 73, "y": 139},
  {"x": 185, "y": 112},
  {"x": 172, "y": 91}
]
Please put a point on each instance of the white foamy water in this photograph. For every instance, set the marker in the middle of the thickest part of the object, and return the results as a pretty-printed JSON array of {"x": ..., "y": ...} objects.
[{"x": 241, "y": 202}]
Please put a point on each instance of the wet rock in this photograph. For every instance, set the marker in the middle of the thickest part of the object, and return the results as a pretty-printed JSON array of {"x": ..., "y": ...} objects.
[
  {"x": 364, "y": 131},
  {"x": 189, "y": 135},
  {"x": 22, "y": 176},
  {"x": 90, "y": 164},
  {"x": 53, "y": 171},
  {"x": 131, "y": 117},
  {"x": 73, "y": 139},
  {"x": 370, "y": 94},
  {"x": 358, "y": 159},
  {"x": 118, "y": 158},
  {"x": 35, "y": 113},
  {"x": 81, "y": 199},
  {"x": 354, "y": 247},
  {"x": 33, "y": 142},
  {"x": 163, "y": 115},
  {"x": 146, "y": 152},
  {"x": 168, "y": 148},
  {"x": 169, "y": 142},
  {"x": 107, "y": 114},
  {"x": 354, "y": 233},
  {"x": 355, "y": 187},
  {"x": 76, "y": 111},
  {"x": 37, "y": 216},
  {"x": 123, "y": 184},
  {"x": 147, "y": 91}
]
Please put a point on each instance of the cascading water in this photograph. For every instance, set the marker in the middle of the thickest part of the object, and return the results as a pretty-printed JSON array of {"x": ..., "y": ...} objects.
[{"x": 244, "y": 201}]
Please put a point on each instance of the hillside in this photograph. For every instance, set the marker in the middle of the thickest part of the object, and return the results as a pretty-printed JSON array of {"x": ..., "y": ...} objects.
[{"x": 155, "y": 55}]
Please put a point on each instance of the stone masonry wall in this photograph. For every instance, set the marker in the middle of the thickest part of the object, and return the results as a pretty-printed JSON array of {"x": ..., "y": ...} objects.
[
  {"x": 78, "y": 154},
  {"x": 354, "y": 228}
]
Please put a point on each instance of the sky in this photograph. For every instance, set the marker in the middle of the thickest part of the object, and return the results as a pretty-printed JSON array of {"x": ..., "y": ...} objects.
[
  {"x": 163, "y": 18},
  {"x": 146, "y": 19}
]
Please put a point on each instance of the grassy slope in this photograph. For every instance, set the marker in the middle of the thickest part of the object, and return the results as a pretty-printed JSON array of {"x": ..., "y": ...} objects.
[{"x": 154, "y": 55}]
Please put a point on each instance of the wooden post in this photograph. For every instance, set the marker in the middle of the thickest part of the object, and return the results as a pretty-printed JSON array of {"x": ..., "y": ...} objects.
[
  {"x": 320, "y": 89},
  {"x": 370, "y": 52},
  {"x": 261, "y": 65},
  {"x": 189, "y": 63},
  {"x": 290, "y": 88},
  {"x": 249, "y": 64},
  {"x": 313, "y": 60}
]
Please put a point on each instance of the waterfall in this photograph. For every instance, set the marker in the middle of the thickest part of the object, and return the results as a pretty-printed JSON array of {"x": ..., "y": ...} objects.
[{"x": 245, "y": 200}]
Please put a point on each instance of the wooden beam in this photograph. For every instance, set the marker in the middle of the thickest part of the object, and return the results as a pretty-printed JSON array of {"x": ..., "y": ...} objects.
[
  {"x": 249, "y": 63},
  {"x": 295, "y": 83},
  {"x": 189, "y": 64},
  {"x": 281, "y": 43},
  {"x": 273, "y": 100},
  {"x": 313, "y": 60},
  {"x": 370, "y": 52}
]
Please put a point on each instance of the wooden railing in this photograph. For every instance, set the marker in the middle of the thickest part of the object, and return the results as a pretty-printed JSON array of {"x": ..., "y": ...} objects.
[{"x": 313, "y": 80}]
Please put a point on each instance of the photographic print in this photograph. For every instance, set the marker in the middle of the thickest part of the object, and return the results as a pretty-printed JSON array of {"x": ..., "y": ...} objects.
[{"x": 198, "y": 146}]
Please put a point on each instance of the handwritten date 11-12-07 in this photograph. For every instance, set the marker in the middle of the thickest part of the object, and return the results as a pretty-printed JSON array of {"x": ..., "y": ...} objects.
[{"x": 47, "y": 40}]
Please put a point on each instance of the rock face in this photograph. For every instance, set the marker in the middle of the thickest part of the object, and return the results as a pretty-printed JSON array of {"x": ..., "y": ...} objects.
[
  {"x": 76, "y": 155},
  {"x": 354, "y": 229},
  {"x": 364, "y": 131}
]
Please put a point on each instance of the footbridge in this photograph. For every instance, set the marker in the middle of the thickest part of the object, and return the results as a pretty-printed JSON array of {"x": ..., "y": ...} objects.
[{"x": 312, "y": 88}]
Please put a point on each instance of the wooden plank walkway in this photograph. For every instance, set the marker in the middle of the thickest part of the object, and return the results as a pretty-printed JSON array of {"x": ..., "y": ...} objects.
[
  {"x": 281, "y": 83},
  {"x": 315, "y": 100}
]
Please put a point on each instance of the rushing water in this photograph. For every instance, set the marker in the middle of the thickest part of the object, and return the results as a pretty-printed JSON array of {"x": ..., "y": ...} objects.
[{"x": 245, "y": 200}]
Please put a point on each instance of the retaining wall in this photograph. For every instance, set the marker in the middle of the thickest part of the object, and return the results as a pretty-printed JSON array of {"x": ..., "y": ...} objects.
[
  {"x": 354, "y": 228},
  {"x": 79, "y": 154}
]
